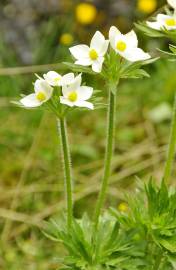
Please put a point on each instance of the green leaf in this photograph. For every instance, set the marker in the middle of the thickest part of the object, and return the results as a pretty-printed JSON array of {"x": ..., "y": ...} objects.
[
  {"x": 143, "y": 27},
  {"x": 79, "y": 68}
]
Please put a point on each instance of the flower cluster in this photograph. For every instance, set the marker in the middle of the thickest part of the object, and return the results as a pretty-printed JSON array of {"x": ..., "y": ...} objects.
[
  {"x": 72, "y": 93},
  {"x": 94, "y": 55},
  {"x": 164, "y": 21}
]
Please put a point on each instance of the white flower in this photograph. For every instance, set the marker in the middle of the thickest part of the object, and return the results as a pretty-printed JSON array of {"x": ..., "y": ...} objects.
[
  {"x": 93, "y": 55},
  {"x": 42, "y": 93},
  {"x": 127, "y": 45},
  {"x": 172, "y": 3},
  {"x": 55, "y": 79},
  {"x": 164, "y": 21},
  {"x": 77, "y": 95}
]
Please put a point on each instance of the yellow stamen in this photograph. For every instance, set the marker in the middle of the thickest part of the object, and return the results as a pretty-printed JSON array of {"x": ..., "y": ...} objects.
[
  {"x": 41, "y": 96},
  {"x": 121, "y": 46},
  {"x": 170, "y": 22},
  {"x": 93, "y": 54},
  {"x": 72, "y": 96},
  {"x": 57, "y": 79}
]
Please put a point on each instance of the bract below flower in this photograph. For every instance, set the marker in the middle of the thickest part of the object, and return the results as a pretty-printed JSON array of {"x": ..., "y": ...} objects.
[
  {"x": 127, "y": 45},
  {"x": 93, "y": 55},
  {"x": 77, "y": 95},
  {"x": 42, "y": 93},
  {"x": 55, "y": 79}
]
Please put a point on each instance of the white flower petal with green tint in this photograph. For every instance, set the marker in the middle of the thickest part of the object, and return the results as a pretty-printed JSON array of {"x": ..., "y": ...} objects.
[
  {"x": 30, "y": 101},
  {"x": 76, "y": 95},
  {"x": 163, "y": 22},
  {"x": 65, "y": 101},
  {"x": 99, "y": 43},
  {"x": 55, "y": 79},
  {"x": 52, "y": 78},
  {"x": 84, "y": 62},
  {"x": 42, "y": 93},
  {"x": 93, "y": 55},
  {"x": 80, "y": 51},
  {"x": 113, "y": 33},
  {"x": 154, "y": 25},
  {"x": 127, "y": 45},
  {"x": 85, "y": 92},
  {"x": 172, "y": 3},
  {"x": 97, "y": 65},
  {"x": 137, "y": 54},
  {"x": 131, "y": 38},
  {"x": 43, "y": 86},
  {"x": 85, "y": 104},
  {"x": 66, "y": 79}
]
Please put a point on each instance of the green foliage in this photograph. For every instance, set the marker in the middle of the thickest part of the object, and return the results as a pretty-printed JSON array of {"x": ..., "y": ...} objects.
[
  {"x": 109, "y": 248},
  {"x": 152, "y": 215}
]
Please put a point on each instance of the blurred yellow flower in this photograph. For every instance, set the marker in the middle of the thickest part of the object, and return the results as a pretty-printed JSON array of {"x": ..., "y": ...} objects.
[
  {"x": 85, "y": 13},
  {"x": 123, "y": 207},
  {"x": 66, "y": 39},
  {"x": 147, "y": 6}
]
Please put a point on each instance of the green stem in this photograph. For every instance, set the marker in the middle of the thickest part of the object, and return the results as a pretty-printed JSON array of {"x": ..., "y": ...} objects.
[
  {"x": 108, "y": 155},
  {"x": 67, "y": 170},
  {"x": 172, "y": 146}
]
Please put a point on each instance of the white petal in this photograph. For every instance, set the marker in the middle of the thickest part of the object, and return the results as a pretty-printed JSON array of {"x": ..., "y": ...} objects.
[
  {"x": 84, "y": 92},
  {"x": 66, "y": 90},
  {"x": 72, "y": 87},
  {"x": 97, "y": 41},
  {"x": 80, "y": 51},
  {"x": 104, "y": 48},
  {"x": 172, "y": 3},
  {"x": 97, "y": 65},
  {"x": 76, "y": 83},
  {"x": 162, "y": 20},
  {"x": 66, "y": 79},
  {"x": 162, "y": 17},
  {"x": 136, "y": 54},
  {"x": 154, "y": 25},
  {"x": 85, "y": 104},
  {"x": 131, "y": 39},
  {"x": 65, "y": 101},
  {"x": 84, "y": 62},
  {"x": 113, "y": 33},
  {"x": 43, "y": 86},
  {"x": 30, "y": 101},
  {"x": 52, "y": 78}
]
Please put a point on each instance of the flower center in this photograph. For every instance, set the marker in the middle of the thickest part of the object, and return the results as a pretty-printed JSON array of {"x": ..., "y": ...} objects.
[
  {"x": 41, "y": 96},
  {"x": 93, "y": 54},
  {"x": 57, "y": 79},
  {"x": 170, "y": 22},
  {"x": 72, "y": 96},
  {"x": 121, "y": 46}
]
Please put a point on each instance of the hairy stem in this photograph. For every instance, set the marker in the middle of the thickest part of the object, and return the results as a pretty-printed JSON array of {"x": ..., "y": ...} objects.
[
  {"x": 108, "y": 155},
  {"x": 67, "y": 170},
  {"x": 172, "y": 146}
]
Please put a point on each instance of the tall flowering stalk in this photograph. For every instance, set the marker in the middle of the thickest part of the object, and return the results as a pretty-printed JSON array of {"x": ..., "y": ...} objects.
[
  {"x": 67, "y": 169},
  {"x": 59, "y": 93},
  {"x": 117, "y": 63},
  {"x": 108, "y": 155}
]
